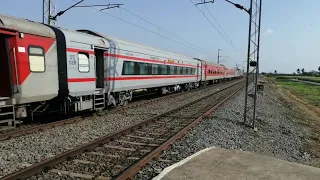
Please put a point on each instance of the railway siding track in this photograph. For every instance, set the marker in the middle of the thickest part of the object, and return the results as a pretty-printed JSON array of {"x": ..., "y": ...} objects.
[
  {"x": 123, "y": 153},
  {"x": 137, "y": 104}
]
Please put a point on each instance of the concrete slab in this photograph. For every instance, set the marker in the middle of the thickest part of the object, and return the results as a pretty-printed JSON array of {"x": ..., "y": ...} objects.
[{"x": 223, "y": 164}]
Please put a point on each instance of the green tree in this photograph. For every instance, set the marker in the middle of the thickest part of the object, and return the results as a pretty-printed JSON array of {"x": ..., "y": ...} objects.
[
  {"x": 319, "y": 69},
  {"x": 298, "y": 71},
  {"x": 302, "y": 71},
  {"x": 275, "y": 71}
]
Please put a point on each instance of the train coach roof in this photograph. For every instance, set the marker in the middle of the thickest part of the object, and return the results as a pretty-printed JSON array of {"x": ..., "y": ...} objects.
[
  {"x": 209, "y": 62},
  {"x": 26, "y": 26},
  {"x": 120, "y": 41}
]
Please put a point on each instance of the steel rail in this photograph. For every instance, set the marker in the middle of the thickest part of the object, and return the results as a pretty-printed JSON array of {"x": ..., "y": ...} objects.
[
  {"x": 134, "y": 169},
  {"x": 53, "y": 161}
]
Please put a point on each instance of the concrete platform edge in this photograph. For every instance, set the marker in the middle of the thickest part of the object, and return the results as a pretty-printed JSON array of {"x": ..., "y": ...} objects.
[{"x": 170, "y": 168}]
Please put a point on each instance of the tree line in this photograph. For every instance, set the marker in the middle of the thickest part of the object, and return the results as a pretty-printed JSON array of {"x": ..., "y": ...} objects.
[{"x": 299, "y": 72}]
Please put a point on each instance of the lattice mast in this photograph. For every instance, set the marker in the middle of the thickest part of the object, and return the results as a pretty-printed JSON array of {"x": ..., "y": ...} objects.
[
  {"x": 48, "y": 11},
  {"x": 252, "y": 63}
]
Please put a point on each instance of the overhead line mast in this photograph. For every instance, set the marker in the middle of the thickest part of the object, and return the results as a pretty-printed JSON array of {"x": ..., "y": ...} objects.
[
  {"x": 249, "y": 115},
  {"x": 48, "y": 10},
  {"x": 49, "y": 16}
]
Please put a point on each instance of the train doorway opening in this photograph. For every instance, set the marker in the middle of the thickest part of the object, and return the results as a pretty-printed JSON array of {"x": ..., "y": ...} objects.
[
  {"x": 99, "y": 100},
  {"x": 99, "y": 54},
  {"x": 6, "y": 89}
]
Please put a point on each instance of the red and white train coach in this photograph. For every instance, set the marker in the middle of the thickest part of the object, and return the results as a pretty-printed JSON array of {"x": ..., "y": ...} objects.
[{"x": 45, "y": 68}]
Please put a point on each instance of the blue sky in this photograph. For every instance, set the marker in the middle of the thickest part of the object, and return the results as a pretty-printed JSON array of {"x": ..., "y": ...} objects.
[{"x": 290, "y": 36}]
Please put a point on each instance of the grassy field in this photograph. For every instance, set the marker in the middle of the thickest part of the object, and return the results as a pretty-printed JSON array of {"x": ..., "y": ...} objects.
[
  {"x": 307, "y": 92},
  {"x": 305, "y": 78}
]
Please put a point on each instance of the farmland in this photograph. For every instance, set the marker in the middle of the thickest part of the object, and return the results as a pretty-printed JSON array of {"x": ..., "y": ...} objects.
[{"x": 306, "y": 92}]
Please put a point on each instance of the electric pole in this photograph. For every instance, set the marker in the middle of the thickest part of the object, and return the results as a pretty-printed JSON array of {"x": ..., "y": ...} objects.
[
  {"x": 252, "y": 61},
  {"x": 50, "y": 17},
  {"x": 48, "y": 10},
  {"x": 249, "y": 115},
  {"x": 219, "y": 56}
]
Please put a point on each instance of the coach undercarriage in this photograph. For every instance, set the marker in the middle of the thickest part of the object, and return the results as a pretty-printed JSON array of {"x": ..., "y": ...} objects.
[{"x": 67, "y": 106}]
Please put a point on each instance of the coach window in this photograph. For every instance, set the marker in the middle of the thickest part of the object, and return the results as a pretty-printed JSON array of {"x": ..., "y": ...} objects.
[
  {"x": 36, "y": 59},
  {"x": 185, "y": 70},
  {"x": 128, "y": 68},
  {"x": 164, "y": 70},
  {"x": 175, "y": 70},
  {"x": 83, "y": 62},
  {"x": 178, "y": 70},
  {"x": 154, "y": 69},
  {"x": 159, "y": 69},
  {"x": 171, "y": 70},
  {"x": 143, "y": 68},
  {"x": 136, "y": 70}
]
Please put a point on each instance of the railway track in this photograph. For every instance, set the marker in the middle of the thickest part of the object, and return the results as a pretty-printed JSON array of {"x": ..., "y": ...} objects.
[
  {"x": 122, "y": 154},
  {"x": 137, "y": 103}
]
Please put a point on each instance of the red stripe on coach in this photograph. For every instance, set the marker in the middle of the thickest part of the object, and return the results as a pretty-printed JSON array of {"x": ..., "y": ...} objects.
[{"x": 81, "y": 80}]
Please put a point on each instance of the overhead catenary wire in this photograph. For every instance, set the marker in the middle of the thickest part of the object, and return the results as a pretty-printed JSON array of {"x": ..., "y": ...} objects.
[
  {"x": 236, "y": 49},
  {"x": 160, "y": 28},
  {"x": 143, "y": 28},
  {"x": 223, "y": 30}
]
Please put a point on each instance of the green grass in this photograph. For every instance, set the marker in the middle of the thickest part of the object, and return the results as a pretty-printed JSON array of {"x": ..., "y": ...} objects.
[
  {"x": 305, "y": 78},
  {"x": 308, "y": 92},
  {"x": 309, "y": 78}
]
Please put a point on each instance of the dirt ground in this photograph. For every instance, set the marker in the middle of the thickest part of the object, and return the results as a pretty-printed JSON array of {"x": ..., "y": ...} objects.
[{"x": 308, "y": 117}]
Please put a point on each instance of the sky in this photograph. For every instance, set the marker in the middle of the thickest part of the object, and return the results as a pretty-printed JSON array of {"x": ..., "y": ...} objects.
[{"x": 290, "y": 29}]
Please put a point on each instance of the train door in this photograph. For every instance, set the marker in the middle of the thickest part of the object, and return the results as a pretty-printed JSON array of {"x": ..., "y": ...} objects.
[
  {"x": 99, "y": 63},
  {"x": 204, "y": 68},
  {"x": 99, "y": 96},
  {"x": 198, "y": 73},
  {"x": 6, "y": 79}
]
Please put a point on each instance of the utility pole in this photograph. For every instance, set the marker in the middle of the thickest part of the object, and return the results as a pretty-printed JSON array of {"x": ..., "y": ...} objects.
[
  {"x": 249, "y": 115},
  {"x": 253, "y": 61},
  {"x": 48, "y": 10},
  {"x": 49, "y": 16},
  {"x": 219, "y": 56}
]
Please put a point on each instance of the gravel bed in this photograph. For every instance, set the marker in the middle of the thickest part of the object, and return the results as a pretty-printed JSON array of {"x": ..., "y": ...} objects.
[
  {"x": 171, "y": 103},
  {"x": 278, "y": 135},
  {"x": 21, "y": 152}
]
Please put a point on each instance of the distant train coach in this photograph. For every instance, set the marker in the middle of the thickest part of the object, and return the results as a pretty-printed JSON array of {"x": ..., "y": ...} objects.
[{"x": 48, "y": 69}]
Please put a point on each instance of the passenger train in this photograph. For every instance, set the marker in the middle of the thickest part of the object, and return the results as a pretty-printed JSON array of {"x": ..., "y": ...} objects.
[{"x": 45, "y": 68}]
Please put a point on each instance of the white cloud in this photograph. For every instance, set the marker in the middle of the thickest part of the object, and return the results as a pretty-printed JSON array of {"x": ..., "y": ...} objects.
[{"x": 268, "y": 32}]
